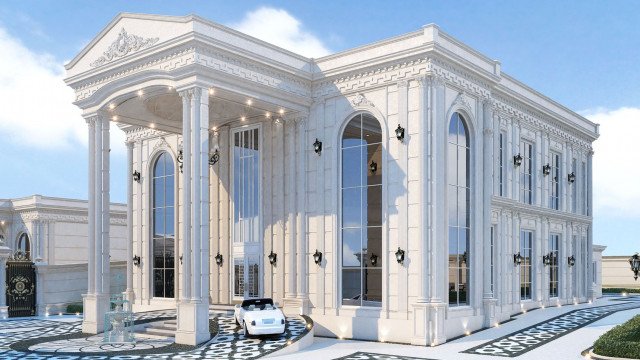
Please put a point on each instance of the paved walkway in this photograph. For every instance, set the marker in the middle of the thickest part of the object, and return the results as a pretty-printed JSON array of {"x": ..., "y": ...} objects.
[
  {"x": 555, "y": 333},
  {"x": 60, "y": 337}
]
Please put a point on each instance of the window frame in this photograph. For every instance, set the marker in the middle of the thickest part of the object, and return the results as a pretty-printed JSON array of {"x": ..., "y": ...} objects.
[
  {"x": 527, "y": 150},
  {"x": 526, "y": 266}
]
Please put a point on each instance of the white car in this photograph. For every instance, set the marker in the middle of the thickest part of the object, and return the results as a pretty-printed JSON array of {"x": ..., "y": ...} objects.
[{"x": 259, "y": 317}]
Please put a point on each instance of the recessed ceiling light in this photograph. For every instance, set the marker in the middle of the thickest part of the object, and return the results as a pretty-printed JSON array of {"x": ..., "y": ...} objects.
[
  {"x": 281, "y": 111},
  {"x": 140, "y": 92},
  {"x": 249, "y": 102},
  {"x": 112, "y": 106},
  {"x": 210, "y": 91},
  {"x": 114, "y": 118},
  {"x": 152, "y": 125},
  {"x": 243, "y": 118},
  {"x": 268, "y": 114}
]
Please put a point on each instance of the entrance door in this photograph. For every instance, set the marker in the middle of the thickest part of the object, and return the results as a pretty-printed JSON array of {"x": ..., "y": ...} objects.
[
  {"x": 21, "y": 285},
  {"x": 246, "y": 241}
]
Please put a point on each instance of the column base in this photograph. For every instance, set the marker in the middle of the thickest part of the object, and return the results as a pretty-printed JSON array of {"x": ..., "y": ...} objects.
[
  {"x": 4, "y": 312},
  {"x": 489, "y": 305},
  {"x": 193, "y": 323},
  {"x": 295, "y": 306},
  {"x": 94, "y": 307},
  {"x": 428, "y": 324}
]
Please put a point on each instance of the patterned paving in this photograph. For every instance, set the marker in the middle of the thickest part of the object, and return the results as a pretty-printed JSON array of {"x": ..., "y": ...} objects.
[
  {"x": 360, "y": 355},
  {"x": 49, "y": 339},
  {"x": 527, "y": 339}
]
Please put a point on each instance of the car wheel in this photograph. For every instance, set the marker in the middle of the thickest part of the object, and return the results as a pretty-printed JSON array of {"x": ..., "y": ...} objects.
[
  {"x": 246, "y": 331},
  {"x": 236, "y": 319}
]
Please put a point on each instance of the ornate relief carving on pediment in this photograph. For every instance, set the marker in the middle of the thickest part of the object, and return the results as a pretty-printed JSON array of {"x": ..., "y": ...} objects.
[{"x": 123, "y": 45}]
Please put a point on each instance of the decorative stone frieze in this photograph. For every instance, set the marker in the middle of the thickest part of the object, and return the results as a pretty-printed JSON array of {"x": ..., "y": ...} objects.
[{"x": 122, "y": 46}]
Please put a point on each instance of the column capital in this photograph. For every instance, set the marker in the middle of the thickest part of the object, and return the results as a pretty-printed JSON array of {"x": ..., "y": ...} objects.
[
  {"x": 403, "y": 83},
  {"x": 129, "y": 143}
]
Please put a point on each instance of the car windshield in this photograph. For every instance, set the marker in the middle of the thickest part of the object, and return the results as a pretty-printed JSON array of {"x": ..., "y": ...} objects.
[{"x": 257, "y": 304}]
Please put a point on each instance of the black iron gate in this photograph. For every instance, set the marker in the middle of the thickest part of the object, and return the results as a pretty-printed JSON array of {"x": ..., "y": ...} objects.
[{"x": 21, "y": 286}]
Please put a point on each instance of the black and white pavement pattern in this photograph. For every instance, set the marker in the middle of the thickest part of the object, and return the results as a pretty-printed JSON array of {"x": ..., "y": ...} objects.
[
  {"x": 361, "y": 355},
  {"x": 63, "y": 339},
  {"x": 532, "y": 337}
]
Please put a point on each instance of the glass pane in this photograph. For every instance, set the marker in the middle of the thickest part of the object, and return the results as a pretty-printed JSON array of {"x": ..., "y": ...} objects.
[
  {"x": 168, "y": 164},
  {"x": 169, "y": 283},
  {"x": 452, "y": 164},
  {"x": 372, "y": 204},
  {"x": 351, "y": 207},
  {"x": 352, "y": 135},
  {"x": 453, "y": 208},
  {"x": 463, "y": 135},
  {"x": 462, "y": 166},
  {"x": 372, "y": 133},
  {"x": 353, "y": 166},
  {"x": 158, "y": 253},
  {"x": 158, "y": 170},
  {"x": 462, "y": 207},
  {"x": 463, "y": 276},
  {"x": 352, "y": 251},
  {"x": 169, "y": 190},
  {"x": 373, "y": 245},
  {"x": 158, "y": 283},
  {"x": 463, "y": 243},
  {"x": 453, "y": 129},
  {"x": 351, "y": 287},
  {"x": 453, "y": 279},
  {"x": 374, "y": 162},
  {"x": 158, "y": 192},
  {"x": 169, "y": 221},
  {"x": 158, "y": 222},
  {"x": 169, "y": 250},
  {"x": 372, "y": 287},
  {"x": 238, "y": 277},
  {"x": 453, "y": 244}
]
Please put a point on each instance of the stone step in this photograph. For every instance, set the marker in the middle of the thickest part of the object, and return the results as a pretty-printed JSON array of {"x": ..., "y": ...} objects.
[
  {"x": 159, "y": 332},
  {"x": 163, "y": 327}
]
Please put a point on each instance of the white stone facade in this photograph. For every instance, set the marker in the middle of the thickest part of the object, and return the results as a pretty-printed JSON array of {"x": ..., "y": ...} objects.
[
  {"x": 185, "y": 86},
  {"x": 56, "y": 229}
]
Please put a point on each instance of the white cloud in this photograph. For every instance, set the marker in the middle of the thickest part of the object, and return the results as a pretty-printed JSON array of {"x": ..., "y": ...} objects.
[
  {"x": 278, "y": 27},
  {"x": 616, "y": 170},
  {"x": 37, "y": 109}
]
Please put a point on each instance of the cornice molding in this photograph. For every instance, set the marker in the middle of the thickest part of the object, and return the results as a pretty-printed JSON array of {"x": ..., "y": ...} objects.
[
  {"x": 30, "y": 216},
  {"x": 142, "y": 133}
]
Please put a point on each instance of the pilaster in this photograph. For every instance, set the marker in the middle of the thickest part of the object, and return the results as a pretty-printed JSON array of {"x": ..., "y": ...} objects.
[
  {"x": 128, "y": 293},
  {"x": 4, "y": 255}
]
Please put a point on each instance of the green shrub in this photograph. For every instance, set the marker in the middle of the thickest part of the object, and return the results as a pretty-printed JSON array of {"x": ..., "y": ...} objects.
[
  {"x": 621, "y": 341},
  {"x": 620, "y": 290},
  {"x": 74, "y": 308}
]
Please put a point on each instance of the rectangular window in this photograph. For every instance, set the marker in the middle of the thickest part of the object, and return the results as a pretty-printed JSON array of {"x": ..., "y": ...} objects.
[
  {"x": 554, "y": 182},
  {"x": 574, "y": 187},
  {"x": 585, "y": 197},
  {"x": 526, "y": 173},
  {"x": 526, "y": 242},
  {"x": 492, "y": 249},
  {"x": 502, "y": 147},
  {"x": 553, "y": 265},
  {"x": 574, "y": 273}
]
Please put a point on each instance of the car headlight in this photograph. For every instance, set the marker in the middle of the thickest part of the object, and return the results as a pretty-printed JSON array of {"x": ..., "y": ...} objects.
[{"x": 253, "y": 323}]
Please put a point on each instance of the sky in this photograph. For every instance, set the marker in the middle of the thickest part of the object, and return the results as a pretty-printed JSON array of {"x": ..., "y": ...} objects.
[{"x": 583, "y": 54}]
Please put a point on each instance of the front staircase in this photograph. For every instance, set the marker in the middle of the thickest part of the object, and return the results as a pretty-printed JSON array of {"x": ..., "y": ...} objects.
[{"x": 167, "y": 328}]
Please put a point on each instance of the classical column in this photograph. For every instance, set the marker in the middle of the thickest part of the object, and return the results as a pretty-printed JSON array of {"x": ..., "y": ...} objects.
[
  {"x": 589, "y": 267},
  {"x": 96, "y": 301},
  {"x": 538, "y": 177},
  {"x": 129, "y": 291},
  {"x": 516, "y": 170},
  {"x": 193, "y": 308},
  {"x": 488, "y": 299},
  {"x": 4, "y": 255},
  {"x": 291, "y": 206},
  {"x": 301, "y": 233}
]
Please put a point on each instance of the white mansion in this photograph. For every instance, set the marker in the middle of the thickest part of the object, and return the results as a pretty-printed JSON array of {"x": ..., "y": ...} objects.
[{"x": 407, "y": 190}]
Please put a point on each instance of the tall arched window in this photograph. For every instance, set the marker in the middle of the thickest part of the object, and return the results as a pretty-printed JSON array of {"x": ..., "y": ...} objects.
[
  {"x": 361, "y": 185},
  {"x": 459, "y": 210},
  {"x": 24, "y": 245},
  {"x": 163, "y": 226}
]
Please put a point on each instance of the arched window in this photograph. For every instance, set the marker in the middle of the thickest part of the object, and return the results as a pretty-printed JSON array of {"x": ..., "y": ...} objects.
[
  {"x": 361, "y": 225},
  {"x": 163, "y": 226},
  {"x": 458, "y": 181},
  {"x": 24, "y": 245}
]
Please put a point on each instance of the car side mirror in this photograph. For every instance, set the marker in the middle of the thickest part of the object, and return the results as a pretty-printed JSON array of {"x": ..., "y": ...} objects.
[
  {"x": 276, "y": 305},
  {"x": 237, "y": 306}
]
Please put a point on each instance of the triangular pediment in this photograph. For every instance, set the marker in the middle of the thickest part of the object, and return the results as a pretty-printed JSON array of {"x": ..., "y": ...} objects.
[{"x": 126, "y": 35}]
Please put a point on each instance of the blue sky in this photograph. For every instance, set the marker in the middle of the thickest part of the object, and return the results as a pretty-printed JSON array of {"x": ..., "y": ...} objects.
[{"x": 583, "y": 54}]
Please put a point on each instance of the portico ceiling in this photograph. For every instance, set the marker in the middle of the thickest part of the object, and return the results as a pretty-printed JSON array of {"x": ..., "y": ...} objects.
[{"x": 161, "y": 108}]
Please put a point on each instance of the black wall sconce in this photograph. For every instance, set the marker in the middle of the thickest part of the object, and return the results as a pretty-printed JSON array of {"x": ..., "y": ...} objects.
[
  {"x": 546, "y": 170},
  {"x": 374, "y": 259},
  {"x": 517, "y": 160},
  {"x": 180, "y": 159},
  {"x": 634, "y": 261},
  {"x": 180, "y": 259},
  {"x": 214, "y": 157},
  {"x": 517, "y": 259},
  {"x": 136, "y": 176},
  {"x": 373, "y": 167},
  {"x": 546, "y": 260},
  {"x": 317, "y": 146},
  {"x": 399, "y": 133},
  {"x": 219, "y": 259},
  {"x": 571, "y": 260},
  {"x": 400, "y": 256},
  {"x": 317, "y": 257},
  {"x": 464, "y": 257},
  {"x": 273, "y": 257},
  {"x": 571, "y": 177},
  {"x": 136, "y": 260}
]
